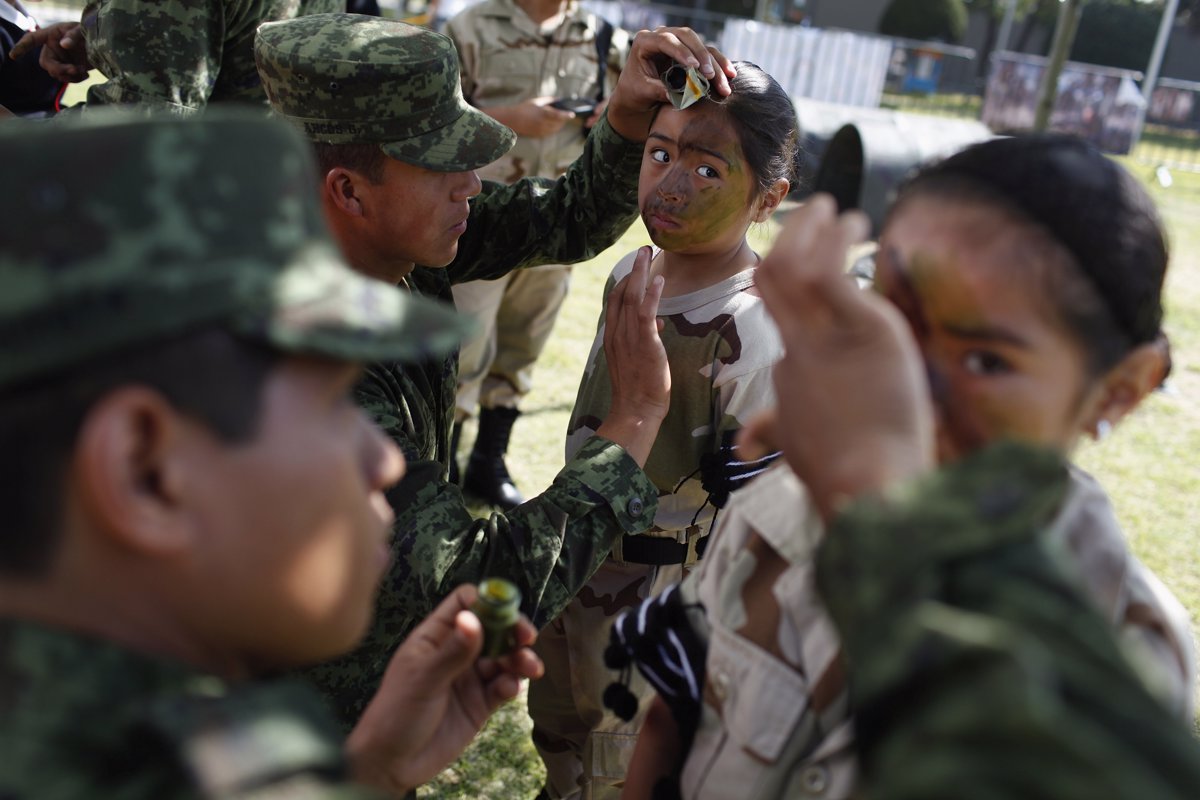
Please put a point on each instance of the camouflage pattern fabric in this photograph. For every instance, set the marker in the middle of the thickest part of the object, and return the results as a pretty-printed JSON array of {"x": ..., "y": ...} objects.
[
  {"x": 978, "y": 666},
  {"x": 163, "y": 234},
  {"x": 550, "y": 545},
  {"x": 180, "y": 55},
  {"x": 776, "y": 719},
  {"x": 82, "y": 718},
  {"x": 721, "y": 344},
  {"x": 506, "y": 59},
  {"x": 585, "y": 747},
  {"x": 349, "y": 78}
]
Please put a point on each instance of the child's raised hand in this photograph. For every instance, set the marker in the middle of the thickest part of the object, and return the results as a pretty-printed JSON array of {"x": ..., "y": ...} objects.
[
  {"x": 854, "y": 411},
  {"x": 637, "y": 361}
]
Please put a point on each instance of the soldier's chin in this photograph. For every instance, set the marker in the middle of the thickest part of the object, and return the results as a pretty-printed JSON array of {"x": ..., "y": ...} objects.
[{"x": 445, "y": 259}]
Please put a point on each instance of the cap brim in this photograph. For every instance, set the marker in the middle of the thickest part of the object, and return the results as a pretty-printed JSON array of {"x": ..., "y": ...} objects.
[
  {"x": 471, "y": 141},
  {"x": 322, "y": 307}
]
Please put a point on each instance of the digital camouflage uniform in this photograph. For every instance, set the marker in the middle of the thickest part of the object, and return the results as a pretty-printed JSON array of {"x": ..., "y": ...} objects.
[
  {"x": 506, "y": 59},
  {"x": 166, "y": 236},
  {"x": 978, "y": 666},
  {"x": 721, "y": 344},
  {"x": 550, "y": 545},
  {"x": 775, "y": 720},
  {"x": 83, "y": 718},
  {"x": 182, "y": 54}
]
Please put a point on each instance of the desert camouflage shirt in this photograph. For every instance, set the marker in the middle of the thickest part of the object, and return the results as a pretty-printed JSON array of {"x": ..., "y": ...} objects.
[
  {"x": 181, "y": 55},
  {"x": 83, "y": 718},
  {"x": 978, "y": 666},
  {"x": 553, "y": 543},
  {"x": 506, "y": 60},
  {"x": 721, "y": 344}
]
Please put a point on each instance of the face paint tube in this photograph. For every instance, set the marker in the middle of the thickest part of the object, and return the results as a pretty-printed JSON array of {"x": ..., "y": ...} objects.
[
  {"x": 685, "y": 85},
  {"x": 498, "y": 607}
]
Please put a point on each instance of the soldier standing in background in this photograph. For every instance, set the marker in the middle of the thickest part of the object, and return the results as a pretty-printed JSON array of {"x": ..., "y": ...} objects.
[
  {"x": 397, "y": 147},
  {"x": 169, "y": 54},
  {"x": 545, "y": 69}
]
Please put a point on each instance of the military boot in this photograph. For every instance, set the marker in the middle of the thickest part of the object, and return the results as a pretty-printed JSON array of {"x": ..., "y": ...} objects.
[{"x": 486, "y": 475}]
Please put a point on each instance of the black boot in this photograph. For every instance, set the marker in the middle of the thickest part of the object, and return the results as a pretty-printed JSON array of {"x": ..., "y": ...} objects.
[
  {"x": 455, "y": 434},
  {"x": 487, "y": 476}
]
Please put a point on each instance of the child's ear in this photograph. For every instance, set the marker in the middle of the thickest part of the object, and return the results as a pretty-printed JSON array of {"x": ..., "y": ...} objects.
[
  {"x": 1140, "y": 372},
  {"x": 771, "y": 199}
]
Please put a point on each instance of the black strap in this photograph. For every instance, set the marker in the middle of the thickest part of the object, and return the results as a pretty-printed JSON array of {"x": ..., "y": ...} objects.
[
  {"x": 603, "y": 45},
  {"x": 656, "y": 551}
]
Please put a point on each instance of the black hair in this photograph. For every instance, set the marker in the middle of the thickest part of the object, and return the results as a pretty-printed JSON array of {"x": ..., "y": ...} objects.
[
  {"x": 367, "y": 159},
  {"x": 1086, "y": 202},
  {"x": 209, "y": 375},
  {"x": 765, "y": 120}
]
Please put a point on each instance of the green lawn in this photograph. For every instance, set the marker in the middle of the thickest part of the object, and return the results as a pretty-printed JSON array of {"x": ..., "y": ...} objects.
[{"x": 1150, "y": 466}]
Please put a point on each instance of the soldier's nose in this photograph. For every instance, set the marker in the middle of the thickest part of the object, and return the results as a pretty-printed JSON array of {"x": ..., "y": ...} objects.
[{"x": 468, "y": 186}]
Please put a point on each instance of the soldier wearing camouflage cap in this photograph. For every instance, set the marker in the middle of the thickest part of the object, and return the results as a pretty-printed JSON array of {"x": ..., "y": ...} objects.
[
  {"x": 170, "y": 54},
  {"x": 397, "y": 145},
  {"x": 191, "y": 497}
]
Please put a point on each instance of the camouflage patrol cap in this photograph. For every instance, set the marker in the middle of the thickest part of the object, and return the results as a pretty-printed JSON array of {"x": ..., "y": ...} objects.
[
  {"x": 353, "y": 79},
  {"x": 120, "y": 230}
]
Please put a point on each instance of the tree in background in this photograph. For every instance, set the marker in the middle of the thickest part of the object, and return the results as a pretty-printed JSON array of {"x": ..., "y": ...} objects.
[
  {"x": 992, "y": 11},
  {"x": 942, "y": 20},
  {"x": 1041, "y": 16},
  {"x": 1117, "y": 33}
]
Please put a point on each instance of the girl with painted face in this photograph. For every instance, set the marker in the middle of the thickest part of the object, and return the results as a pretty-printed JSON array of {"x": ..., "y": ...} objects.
[
  {"x": 708, "y": 172},
  {"x": 1030, "y": 270}
]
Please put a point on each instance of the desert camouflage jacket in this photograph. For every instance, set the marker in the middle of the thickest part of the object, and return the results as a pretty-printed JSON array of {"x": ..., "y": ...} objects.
[
  {"x": 83, "y": 718},
  {"x": 506, "y": 60},
  {"x": 979, "y": 667},
  {"x": 182, "y": 55},
  {"x": 722, "y": 345},
  {"x": 553, "y": 543}
]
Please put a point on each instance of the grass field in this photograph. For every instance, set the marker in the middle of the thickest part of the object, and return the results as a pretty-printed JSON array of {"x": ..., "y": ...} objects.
[{"x": 1150, "y": 466}]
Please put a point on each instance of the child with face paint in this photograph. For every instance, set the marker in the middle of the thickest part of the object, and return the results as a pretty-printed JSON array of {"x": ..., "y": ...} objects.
[
  {"x": 708, "y": 172},
  {"x": 1030, "y": 271}
]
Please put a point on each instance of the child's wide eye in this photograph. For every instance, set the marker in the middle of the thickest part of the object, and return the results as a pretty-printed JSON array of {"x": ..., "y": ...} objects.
[
  {"x": 660, "y": 155},
  {"x": 705, "y": 171},
  {"x": 983, "y": 362}
]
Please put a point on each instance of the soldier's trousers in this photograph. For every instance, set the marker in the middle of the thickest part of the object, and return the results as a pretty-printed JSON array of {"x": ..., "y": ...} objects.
[
  {"x": 585, "y": 747},
  {"x": 515, "y": 315}
]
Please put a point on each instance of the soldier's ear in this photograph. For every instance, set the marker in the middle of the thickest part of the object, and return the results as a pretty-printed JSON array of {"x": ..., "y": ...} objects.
[
  {"x": 128, "y": 469},
  {"x": 342, "y": 191}
]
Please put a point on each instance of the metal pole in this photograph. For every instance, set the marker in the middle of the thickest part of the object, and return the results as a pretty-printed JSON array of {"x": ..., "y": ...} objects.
[
  {"x": 1010, "y": 11},
  {"x": 1165, "y": 25},
  {"x": 761, "y": 10},
  {"x": 1064, "y": 37}
]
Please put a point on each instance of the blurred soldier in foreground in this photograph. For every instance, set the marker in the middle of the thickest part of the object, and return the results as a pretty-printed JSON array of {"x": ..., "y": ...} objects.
[
  {"x": 192, "y": 498},
  {"x": 398, "y": 147}
]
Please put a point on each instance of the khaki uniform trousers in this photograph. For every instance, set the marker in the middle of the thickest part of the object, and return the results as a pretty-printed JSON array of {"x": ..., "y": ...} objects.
[
  {"x": 585, "y": 747},
  {"x": 515, "y": 315}
]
